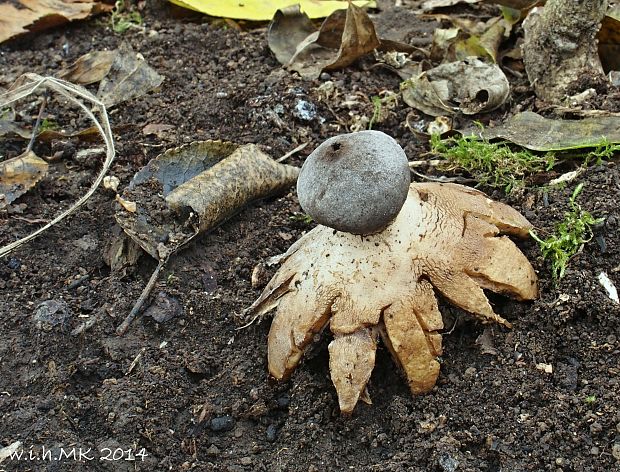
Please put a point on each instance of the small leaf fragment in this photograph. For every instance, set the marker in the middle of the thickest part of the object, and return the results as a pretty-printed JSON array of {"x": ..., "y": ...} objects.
[
  {"x": 129, "y": 77},
  {"x": 19, "y": 174},
  {"x": 89, "y": 68}
]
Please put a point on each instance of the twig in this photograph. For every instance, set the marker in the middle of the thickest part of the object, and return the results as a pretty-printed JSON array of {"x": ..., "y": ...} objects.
[
  {"x": 37, "y": 123},
  {"x": 443, "y": 178},
  {"x": 84, "y": 326},
  {"x": 423, "y": 163},
  {"x": 134, "y": 363},
  {"x": 248, "y": 324},
  {"x": 290, "y": 153},
  {"x": 122, "y": 328}
]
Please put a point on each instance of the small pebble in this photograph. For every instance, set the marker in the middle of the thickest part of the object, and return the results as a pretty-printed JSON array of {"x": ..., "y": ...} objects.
[
  {"x": 213, "y": 450},
  {"x": 14, "y": 263},
  {"x": 271, "y": 433},
  {"x": 615, "y": 451},
  {"x": 283, "y": 401},
  {"x": 596, "y": 427},
  {"x": 448, "y": 463},
  {"x": 246, "y": 460},
  {"x": 222, "y": 423},
  {"x": 469, "y": 372},
  {"x": 305, "y": 110}
]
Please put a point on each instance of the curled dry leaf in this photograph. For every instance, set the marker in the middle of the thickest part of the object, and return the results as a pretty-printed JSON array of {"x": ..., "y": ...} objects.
[
  {"x": 384, "y": 284},
  {"x": 194, "y": 188},
  {"x": 129, "y": 77},
  {"x": 23, "y": 16},
  {"x": 471, "y": 38},
  {"x": 344, "y": 36},
  {"x": 535, "y": 132},
  {"x": 20, "y": 174},
  {"x": 288, "y": 28},
  {"x": 470, "y": 86}
]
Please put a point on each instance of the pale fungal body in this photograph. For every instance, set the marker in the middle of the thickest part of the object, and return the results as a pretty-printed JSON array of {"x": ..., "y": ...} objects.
[{"x": 445, "y": 239}]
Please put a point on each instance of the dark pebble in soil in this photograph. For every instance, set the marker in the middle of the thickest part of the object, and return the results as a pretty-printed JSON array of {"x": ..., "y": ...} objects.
[
  {"x": 222, "y": 423},
  {"x": 284, "y": 401},
  {"x": 448, "y": 463},
  {"x": 272, "y": 433},
  {"x": 14, "y": 263}
]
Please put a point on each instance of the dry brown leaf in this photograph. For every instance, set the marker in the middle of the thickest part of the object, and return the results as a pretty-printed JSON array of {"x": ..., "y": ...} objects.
[
  {"x": 343, "y": 38},
  {"x": 20, "y": 174},
  {"x": 287, "y": 29},
  {"x": 470, "y": 86},
  {"x": 36, "y": 15},
  {"x": 194, "y": 188},
  {"x": 129, "y": 77},
  {"x": 609, "y": 40},
  {"x": 89, "y": 68},
  {"x": 219, "y": 192}
]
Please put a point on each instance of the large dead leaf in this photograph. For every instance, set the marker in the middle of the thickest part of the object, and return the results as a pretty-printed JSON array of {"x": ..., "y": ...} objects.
[
  {"x": 20, "y": 174},
  {"x": 192, "y": 189},
  {"x": 344, "y": 36},
  {"x": 24, "y": 16},
  {"x": 532, "y": 131},
  {"x": 470, "y": 86},
  {"x": 288, "y": 28},
  {"x": 129, "y": 77},
  {"x": 262, "y": 10}
]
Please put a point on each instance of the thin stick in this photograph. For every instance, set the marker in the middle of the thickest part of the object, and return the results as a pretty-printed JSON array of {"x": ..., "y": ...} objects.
[
  {"x": 135, "y": 361},
  {"x": 122, "y": 328},
  {"x": 430, "y": 162},
  {"x": 37, "y": 123},
  {"x": 290, "y": 153}
]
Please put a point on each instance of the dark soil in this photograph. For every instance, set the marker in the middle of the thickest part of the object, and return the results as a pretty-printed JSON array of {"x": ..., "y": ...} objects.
[{"x": 193, "y": 392}]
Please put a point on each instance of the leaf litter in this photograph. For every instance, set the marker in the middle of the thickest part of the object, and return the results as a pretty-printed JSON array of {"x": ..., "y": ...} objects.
[
  {"x": 19, "y": 174},
  {"x": 189, "y": 191}
]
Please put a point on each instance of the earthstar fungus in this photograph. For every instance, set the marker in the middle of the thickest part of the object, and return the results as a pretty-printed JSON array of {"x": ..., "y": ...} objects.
[{"x": 376, "y": 271}]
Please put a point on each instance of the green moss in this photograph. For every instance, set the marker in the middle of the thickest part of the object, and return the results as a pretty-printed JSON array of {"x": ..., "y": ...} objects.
[
  {"x": 570, "y": 234},
  {"x": 48, "y": 125},
  {"x": 122, "y": 19},
  {"x": 491, "y": 164}
]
